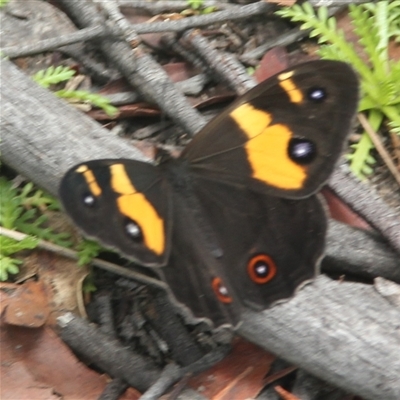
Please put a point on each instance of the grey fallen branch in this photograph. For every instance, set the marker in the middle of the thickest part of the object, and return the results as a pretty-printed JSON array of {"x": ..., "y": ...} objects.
[
  {"x": 138, "y": 68},
  {"x": 171, "y": 6},
  {"x": 284, "y": 39},
  {"x": 347, "y": 335},
  {"x": 109, "y": 355},
  {"x": 359, "y": 253},
  {"x": 343, "y": 333},
  {"x": 55, "y": 43},
  {"x": 220, "y": 62},
  {"x": 30, "y": 32},
  {"x": 180, "y": 25},
  {"x": 364, "y": 201}
]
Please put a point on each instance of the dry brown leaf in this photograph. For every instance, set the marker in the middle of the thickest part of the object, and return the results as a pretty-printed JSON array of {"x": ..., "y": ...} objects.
[
  {"x": 62, "y": 279},
  {"x": 282, "y": 3},
  {"x": 27, "y": 305},
  {"x": 238, "y": 376},
  {"x": 284, "y": 394}
]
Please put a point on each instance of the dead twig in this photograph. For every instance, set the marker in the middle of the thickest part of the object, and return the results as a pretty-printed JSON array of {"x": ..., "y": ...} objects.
[
  {"x": 30, "y": 49},
  {"x": 379, "y": 147},
  {"x": 237, "y": 13}
]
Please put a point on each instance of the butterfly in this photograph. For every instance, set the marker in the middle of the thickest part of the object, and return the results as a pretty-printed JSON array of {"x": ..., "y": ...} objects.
[{"x": 234, "y": 221}]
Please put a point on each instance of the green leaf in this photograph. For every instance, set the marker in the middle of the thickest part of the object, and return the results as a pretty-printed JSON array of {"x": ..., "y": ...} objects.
[
  {"x": 20, "y": 209},
  {"x": 10, "y": 246},
  {"x": 8, "y": 266},
  {"x": 375, "y": 23},
  {"x": 87, "y": 250},
  {"x": 91, "y": 98},
  {"x": 53, "y": 75}
]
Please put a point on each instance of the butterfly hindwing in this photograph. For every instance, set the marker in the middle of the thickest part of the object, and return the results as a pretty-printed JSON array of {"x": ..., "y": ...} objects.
[
  {"x": 270, "y": 245},
  {"x": 191, "y": 271},
  {"x": 125, "y": 204}
]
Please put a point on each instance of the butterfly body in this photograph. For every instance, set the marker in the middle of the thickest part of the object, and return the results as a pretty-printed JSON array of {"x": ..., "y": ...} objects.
[{"x": 233, "y": 222}]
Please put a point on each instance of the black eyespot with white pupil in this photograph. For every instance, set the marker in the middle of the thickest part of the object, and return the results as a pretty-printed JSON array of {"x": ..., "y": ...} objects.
[
  {"x": 302, "y": 151},
  {"x": 133, "y": 230},
  {"x": 316, "y": 94},
  {"x": 89, "y": 200}
]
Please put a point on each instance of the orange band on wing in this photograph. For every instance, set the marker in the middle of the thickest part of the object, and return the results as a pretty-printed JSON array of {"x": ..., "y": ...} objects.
[
  {"x": 267, "y": 148},
  {"x": 135, "y": 206},
  {"x": 90, "y": 179},
  {"x": 289, "y": 87}
]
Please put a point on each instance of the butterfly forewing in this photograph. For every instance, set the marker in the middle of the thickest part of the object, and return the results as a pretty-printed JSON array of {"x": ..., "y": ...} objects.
[
  {"x": 123, "y": 203},
  {"x": 284, "y": 136}
]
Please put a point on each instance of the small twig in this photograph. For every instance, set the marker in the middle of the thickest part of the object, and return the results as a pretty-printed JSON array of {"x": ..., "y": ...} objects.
[
  {"x": 396, "y": 146},
  {"x": 366, "y": 203},
  {"x": 139, "y": 68},
  {"x": 172, "y": 6},
  {"x": 360, "y": 253},
  {"x": 279, "y": 374},
  {"x": 379, "y": 147},
  {"x": 120, "y": 21},
  {"x": 68, "y": 253},
  {"x": 109, "y": 355},
  {"x": 337, "y": 3},
  {"x": 285, "y": 39},
  {"x": 243, "y": 12},
  {"x": 105, "y": 314},
  {"x": 191, "y": 87},
  {"x": 170, "y": 41},
  {"x": 170, "y": 374},
  {"x": 224, "y": 65},
  {"x": 114, "y": 389},
  {"x": 30, "y": 49}
]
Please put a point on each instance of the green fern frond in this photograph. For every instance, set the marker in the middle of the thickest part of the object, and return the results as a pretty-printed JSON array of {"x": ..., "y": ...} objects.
[
  {"x": 91, "y": 98},
  {"x": 87, "y": 250},
  {"x": 8, "y": 247},
  {"x": 19, "y": 210},
  {"x": 375, "y": 23},
  {"x": 3, "y": 2},
  {"x": 361, "y": 159},
  {"x": 53, "y": 75}
]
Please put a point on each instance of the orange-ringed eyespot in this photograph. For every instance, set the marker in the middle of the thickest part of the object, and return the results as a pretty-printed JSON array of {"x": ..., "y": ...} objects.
[
  {"x": 261, "y": 268},
  {"x": 221, "y": 291}
]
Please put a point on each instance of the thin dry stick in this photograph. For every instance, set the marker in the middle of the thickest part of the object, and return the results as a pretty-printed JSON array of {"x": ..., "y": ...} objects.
[
  {"x": 224, "y": 65},
  {"x": 171, "y": 6},
  {"x": 41, "y": 46},
  {"x": 379, "y": 147},
  {"x": 64, "y": 252},
  {"x": 204, "y": 20}
]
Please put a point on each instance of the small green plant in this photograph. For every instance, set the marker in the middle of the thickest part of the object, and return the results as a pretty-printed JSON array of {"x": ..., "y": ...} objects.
[
  {"x": 20, "y": 209},
  {"x": 198, "y": 5},
  {"x": 3, "y": 3},
  {"x": 55, "y": 75},
  {"x": 8, "y": 247},
  {"x": 87, "y": 250},
  {"x": 375, "y": 24}
]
